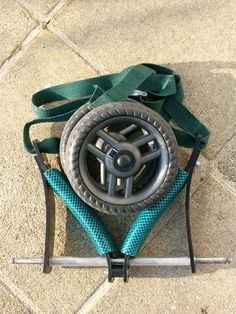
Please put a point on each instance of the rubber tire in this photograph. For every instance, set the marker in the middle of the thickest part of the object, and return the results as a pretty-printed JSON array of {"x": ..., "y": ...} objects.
[
  {"x": 74, "y": 119},
  {"x": 83, "y": 121},
  {"x": 71, "y": 123}
]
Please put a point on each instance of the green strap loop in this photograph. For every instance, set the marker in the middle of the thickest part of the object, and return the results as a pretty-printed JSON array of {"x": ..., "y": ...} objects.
[
  {"x": 193, "y": 130},
  {"x": 130, "y": 80},
  {"x": 164, "y": 95},
  {"x": 48, "y": 145}
]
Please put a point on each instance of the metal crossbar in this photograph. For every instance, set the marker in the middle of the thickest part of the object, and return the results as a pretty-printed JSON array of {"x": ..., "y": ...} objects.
[{"x": 134, "y": 262}]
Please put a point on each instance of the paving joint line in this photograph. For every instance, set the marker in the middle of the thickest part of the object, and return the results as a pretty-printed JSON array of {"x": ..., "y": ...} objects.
[
  {"x": 18, "y": 52},
  {"x": 217, "y": 174},
  {"x": 220, "y": 149},
  {"x": 40, "y": 17},
  {"x": 44, "y": 23},
  {"x": 99, "y": 68},
  {"x": 95, "y": 297},
  {"x": 223, "y": 147},
  {"x": 42, "y": 20},
  {"x": 45, "y": 20},
  {"x": 34, "y": 14},
  {"x": 15, "y": 291},
  {"x": 59, "y": 6},
  {"x": 219, "y": 177}
]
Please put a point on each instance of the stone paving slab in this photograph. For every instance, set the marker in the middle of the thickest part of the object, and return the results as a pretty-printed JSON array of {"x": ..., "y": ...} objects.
[
  {"x": 206, "y": 293},
  {"x": 175, "y": 290},
  {"x": 200, "y": 80},
  {"x": 15, "y": 25},
  {"x": 226, "y": 163},
  {"x": 43, "y": 6},
  {"x": 194, "y": 38},
  {"x": 22, "y": 201},
  {"x": 118, "y": 33},
  {"x": 9, "y": 304}
]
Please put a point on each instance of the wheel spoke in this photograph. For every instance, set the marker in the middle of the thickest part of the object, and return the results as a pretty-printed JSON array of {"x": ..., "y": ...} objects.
[
  {"x": 128, "y": 186},
  {"x": 111, "y": 184},
  {"x": 129, "y": 129},
  {"x": 107, "y": 137},
  {"x": 150, "y": 156},
  {"x": 96, "y": 152},
  {"x": 143, "y": 140}
]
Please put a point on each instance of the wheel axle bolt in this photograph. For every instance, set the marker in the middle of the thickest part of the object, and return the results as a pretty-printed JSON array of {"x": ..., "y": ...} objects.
[{"x": 124, "y": 161}]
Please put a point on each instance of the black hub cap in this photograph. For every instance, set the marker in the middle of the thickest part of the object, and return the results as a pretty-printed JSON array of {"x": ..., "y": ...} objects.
[{"x": 123, "y": 160}]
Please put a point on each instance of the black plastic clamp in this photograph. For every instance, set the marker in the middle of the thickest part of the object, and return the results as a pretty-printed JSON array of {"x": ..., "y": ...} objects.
[{"x": 117, "y": 268}]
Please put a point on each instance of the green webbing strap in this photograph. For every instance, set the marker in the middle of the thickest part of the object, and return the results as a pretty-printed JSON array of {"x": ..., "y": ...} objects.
[
  {"x": 129, "y": 81},
  {"x": 164, "y": 94},
  {"x": 48, "y": 145},
  {"x": 194, "y": 130}
]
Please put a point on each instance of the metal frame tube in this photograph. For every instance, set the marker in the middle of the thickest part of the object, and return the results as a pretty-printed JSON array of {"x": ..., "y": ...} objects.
[{"x": 139, "y": 261}]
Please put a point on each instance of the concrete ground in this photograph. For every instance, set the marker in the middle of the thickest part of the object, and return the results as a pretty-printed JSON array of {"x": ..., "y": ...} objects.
[{"x": 44, "y": 43}]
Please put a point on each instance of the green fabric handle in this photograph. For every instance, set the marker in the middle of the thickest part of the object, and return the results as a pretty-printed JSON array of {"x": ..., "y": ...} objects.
[{"x": 162, "y": 87}]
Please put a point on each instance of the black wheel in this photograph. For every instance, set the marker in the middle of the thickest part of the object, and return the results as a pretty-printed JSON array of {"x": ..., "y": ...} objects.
[{"x": 120, "y": 157}]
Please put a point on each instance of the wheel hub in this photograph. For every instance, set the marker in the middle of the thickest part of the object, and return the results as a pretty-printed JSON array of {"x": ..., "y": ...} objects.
[
  {"x": 123, "y": 160},
  {"x": 125, "y": 153}
]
